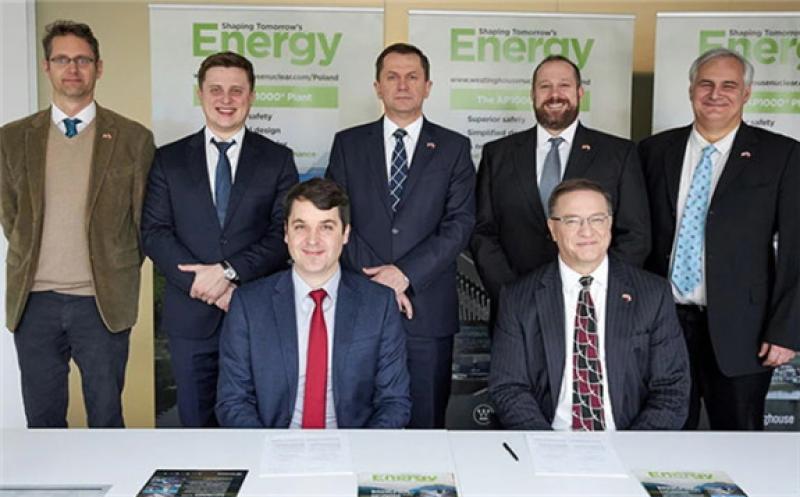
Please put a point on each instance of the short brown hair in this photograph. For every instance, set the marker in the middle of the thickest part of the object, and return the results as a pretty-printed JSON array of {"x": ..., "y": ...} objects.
[
  {"x": 63, "y": 27},
  {"x": 558, "y": 58},
  {"x": 226, "y": 59},
  {"x": 324, "y": 193},
  {"x": 578, "y": 185},
  {"x": 404, "y": 49}
]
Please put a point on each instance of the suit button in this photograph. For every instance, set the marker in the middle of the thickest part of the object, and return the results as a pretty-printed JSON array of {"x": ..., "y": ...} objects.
[
  {"x": 395, "y": 231},
  {"x": 223, "y": 241},
  {"x": 710, "y": 213}
]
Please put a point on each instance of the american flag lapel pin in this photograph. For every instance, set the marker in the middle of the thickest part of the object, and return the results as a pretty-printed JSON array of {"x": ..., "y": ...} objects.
[
  {"x": 106, "y": 136},
  {"x": 431, "y": 145},
  {"x": 626, "y": 297},
  {"x": 586, "y": 147},
  {"x": 746, "y": 154}
]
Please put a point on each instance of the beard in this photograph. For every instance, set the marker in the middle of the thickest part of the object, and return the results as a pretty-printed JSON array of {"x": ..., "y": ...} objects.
[{"x": 556, "y": 120}]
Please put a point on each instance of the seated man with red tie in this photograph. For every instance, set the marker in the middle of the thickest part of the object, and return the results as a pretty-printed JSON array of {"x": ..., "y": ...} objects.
[
  {"x": 588, "y": 342},
  {"x": 314, "y": 346}
]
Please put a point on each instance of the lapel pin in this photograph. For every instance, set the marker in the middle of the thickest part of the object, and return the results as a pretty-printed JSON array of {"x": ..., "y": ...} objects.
[
  {"x": 430, "y": 145},
  {"x": 745, "y": 154},
  {"x": 626, "y": 297},
  {"x": 586, "y": 147},
  {"x": 106, "y": 136}
]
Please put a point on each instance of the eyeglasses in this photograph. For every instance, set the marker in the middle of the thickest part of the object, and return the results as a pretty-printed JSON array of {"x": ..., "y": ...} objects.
[
  {"x": 574, "y": 223},
  {"x": 80, "y": 60}
]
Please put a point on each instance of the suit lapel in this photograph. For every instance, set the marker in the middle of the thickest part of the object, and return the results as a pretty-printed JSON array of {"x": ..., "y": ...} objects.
[
  {"x": 245, "y": 170},
  {"x": 524, "y": 166},
  {"x": 35, "y": 152},
  {"x": 744, "y": 152},
  {"x": 580, "y": 155},
  {"x": 347, "y": 305},
  {"x": 673, "y": 165},
  {"x": 376, "y": 164},
  {"x": 550, "y": 301},
  {"x": 423, "y": 154},
  {"x": 200, "y": 186},
  {"x": 286, "y": 321},
  {"x": 106, "y": 138},
  {"x": 620, "y": 306}
]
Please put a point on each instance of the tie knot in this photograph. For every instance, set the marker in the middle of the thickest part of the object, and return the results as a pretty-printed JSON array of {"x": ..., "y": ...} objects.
[
  {"x": 317, "y": 296},
  {"x": 555, "y": 141},
  {"x": 399, "y": 133},
  {"x": 708, "y": 151},
  {"x": 71, "y": 125},
  {"x": 223, "y": 146},
  {"x": 586, "y": 281}
]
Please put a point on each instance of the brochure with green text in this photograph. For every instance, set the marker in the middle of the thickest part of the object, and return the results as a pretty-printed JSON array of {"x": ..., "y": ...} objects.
[
  {"x": 688, "y": 484},
  {"x": 406, "y": 485}
]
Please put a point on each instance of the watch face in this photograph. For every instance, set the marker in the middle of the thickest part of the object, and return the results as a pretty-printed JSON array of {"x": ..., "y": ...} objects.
[{"x": 230, "y": 273}]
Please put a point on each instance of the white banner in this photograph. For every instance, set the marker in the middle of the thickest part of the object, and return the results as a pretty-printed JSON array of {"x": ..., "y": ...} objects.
[
  {"x": 482, "y": 62},
  {"x": 314, "y": 70},
  {"x": 769, "y": 40}
]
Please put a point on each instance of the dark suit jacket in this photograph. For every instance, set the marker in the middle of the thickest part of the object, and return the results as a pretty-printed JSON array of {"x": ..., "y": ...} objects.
[
  {"x": 123, "y": 152},
  {"x": 258, "y": 356},
  {"x": 646, "y": 360},
  {"x": 180, "y": 226},
  {"x": 511, "y": 236},
  {"x": 752, "y": 295},
  {"x": 432, "y": 224}
]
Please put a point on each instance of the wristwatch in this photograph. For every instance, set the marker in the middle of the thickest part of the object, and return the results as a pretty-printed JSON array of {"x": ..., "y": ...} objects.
[{"x": 229, "y": 273}]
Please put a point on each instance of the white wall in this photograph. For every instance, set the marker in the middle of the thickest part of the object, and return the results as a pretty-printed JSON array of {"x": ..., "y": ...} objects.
[{"x": 18, "y": 89}]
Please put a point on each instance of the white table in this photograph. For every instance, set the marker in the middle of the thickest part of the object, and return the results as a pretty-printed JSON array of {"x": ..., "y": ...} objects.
[{"x": 764, "y": 464}]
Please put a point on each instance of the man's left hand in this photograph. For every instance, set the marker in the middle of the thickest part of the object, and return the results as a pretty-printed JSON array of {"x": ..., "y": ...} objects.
[
  {"x": 209, "y": 281},
  {"x": 388, "y": 275},
  {"x": 775, "y": 355}
]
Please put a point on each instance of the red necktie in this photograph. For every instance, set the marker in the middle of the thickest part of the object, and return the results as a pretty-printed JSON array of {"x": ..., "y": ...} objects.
[
  {"x": 316, "y": 366},
  {"x": 587, "y": 372}
]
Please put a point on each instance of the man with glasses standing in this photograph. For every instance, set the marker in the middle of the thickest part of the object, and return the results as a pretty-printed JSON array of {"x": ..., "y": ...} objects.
[
  {"x": 72, "y": 180},
  {"x": 588, "y": 342}
]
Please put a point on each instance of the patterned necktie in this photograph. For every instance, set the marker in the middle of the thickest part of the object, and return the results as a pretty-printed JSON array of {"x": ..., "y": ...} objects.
[
  {"x": 72, "y": 126},
  {"x": 222, "y": 181},
  {"x": 687, "y": 265},
  {"x": 551, "y": 172},
  {"x": 587, "y": 372},
  {"x": 399, "y": 170},
  {"x": 316, "y": 366}
]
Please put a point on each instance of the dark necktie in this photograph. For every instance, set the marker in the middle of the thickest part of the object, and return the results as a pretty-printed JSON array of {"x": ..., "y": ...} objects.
[
  {"x": 587, "y": 372},
  {"x": 223, "y": 180},
  {"x": 72, "y": 126},
  {"x": 551, "y": 173},
  {"x": 316, "y": 366},
  {"x": 399, "y": 170}
]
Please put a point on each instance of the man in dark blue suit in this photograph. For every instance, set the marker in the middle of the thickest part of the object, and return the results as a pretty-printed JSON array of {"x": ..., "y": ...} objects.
[
  {"x": 314, "y": 346},
  {"x": 588, "y": 342},
  {"x": 212, "y": 220},
  {"x": 411, "y": 185}
]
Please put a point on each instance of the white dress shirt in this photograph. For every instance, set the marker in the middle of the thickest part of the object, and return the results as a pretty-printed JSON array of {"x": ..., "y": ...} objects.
[
  {"x": 410, "y": 141},
  {"x": 543, "y": 147},
  {"x": 691, "y": 157},
  {"x": 571, "y": 288},
  {"x": 304, "y": 308},
  {"x": 86, "y": 115},
  {"x": 212, "y": 156}
]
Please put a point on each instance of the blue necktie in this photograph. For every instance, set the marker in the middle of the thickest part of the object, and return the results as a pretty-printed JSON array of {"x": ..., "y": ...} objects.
[
  {"x": 551, "y": 172},
  {"x": 72, "y": 126},
  {"x": 399, "y": 170},
  {"x": 223, "y": 181},
  {"x": 687, "y": 265}
]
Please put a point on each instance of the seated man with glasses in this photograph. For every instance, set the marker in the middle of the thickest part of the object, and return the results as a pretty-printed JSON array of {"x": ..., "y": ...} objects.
[{"x": 588, "y": 342}]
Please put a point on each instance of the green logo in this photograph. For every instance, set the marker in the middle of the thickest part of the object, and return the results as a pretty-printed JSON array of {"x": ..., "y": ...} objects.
[{"x": 762, "y": 46}]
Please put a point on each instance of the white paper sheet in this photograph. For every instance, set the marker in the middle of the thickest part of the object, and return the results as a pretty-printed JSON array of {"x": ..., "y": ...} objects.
[
  {"x": 592, "y": 455},
  {"x": 302, "y": 452}
]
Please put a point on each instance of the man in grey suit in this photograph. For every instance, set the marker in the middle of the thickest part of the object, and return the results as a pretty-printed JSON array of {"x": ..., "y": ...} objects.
[{"x": 559, "y": 328}]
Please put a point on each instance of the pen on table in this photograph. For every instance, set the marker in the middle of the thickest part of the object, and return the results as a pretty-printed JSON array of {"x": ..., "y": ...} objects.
[{"x": 508, "y": 449}]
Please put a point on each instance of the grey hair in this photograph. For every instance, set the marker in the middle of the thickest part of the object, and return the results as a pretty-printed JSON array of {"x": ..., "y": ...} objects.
[{"x": 716, "y": 53}]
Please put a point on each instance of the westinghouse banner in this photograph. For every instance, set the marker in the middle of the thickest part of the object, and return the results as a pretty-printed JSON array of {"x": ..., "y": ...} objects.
[
  {"x": 769, "y": 40},
  {"x": 481, "y": 66},
  {"x": 314, "y": 70}
]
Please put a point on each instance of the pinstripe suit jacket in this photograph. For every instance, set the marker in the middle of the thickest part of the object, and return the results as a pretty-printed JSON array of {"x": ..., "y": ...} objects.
[{"x": 646, "y": 360}]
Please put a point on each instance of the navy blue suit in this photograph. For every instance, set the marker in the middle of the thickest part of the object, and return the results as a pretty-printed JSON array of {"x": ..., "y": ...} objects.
[
  {"x": 180, "y": 226},
  {"x": 646, "y": 360},
  {"x": 423, "y": 238},
  {"x": 258, "y": 377}
]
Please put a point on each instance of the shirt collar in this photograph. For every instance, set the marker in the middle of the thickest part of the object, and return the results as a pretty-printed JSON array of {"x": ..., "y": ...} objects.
[
  {"x": 570, "y": 279},
  {"x": 86, "y": 115},
  {"x": 412, "y": 129},
  {"x": 723, "y": 145},
  {"x": 542, "y": 135},
  {"x": 302, "y": 289},
  {"x": 239, "y": 136}
]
